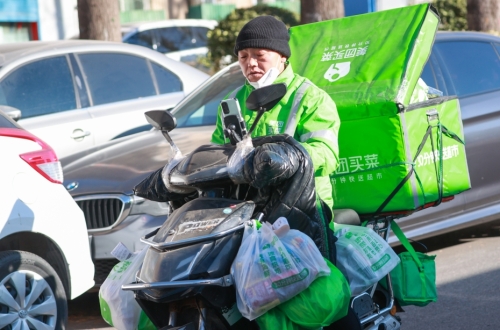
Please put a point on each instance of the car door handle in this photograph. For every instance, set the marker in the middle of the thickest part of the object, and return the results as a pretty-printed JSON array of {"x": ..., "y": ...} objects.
[{"x": 79, "y": 134}]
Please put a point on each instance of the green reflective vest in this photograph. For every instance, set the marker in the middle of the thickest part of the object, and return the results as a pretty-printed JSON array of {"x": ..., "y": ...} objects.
[{"x": 308, "y": 114}]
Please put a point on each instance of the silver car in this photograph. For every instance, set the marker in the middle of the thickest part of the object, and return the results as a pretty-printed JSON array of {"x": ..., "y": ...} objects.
[
  {"x": 76, "y": 94},
  {"x": 467, "y": 64}
]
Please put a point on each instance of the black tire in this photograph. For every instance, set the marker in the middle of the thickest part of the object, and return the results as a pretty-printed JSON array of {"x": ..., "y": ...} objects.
[{"x": 20, "y": 270}]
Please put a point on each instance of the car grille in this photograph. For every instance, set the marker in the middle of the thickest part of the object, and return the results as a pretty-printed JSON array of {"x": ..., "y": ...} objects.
[
  {"x": 101, "y": 212},
  {"x": 102, "y": 269}
]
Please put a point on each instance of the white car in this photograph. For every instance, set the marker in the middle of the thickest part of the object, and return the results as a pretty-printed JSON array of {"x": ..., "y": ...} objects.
[
  {"x": 180, "y": 39},
  {"x": 77, "y": 94},
  {"x": 44, "y": 247}
]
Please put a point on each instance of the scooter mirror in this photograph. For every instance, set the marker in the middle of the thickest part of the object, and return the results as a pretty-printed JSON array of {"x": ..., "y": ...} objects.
[
  {"x": 265, "y": 98},
  {"x": 161, "y": 119}
]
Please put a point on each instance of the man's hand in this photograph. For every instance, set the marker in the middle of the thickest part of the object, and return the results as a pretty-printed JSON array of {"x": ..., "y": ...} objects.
[{"x": 271, "y": 164}]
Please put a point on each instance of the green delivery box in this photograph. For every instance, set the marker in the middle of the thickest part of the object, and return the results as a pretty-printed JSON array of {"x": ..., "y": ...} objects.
[{"x": 394, "y": 156}]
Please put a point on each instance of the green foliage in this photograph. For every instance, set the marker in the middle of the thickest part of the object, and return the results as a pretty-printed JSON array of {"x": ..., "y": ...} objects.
[
  {"x": 221, "y": 40},
  {"x": 453, "y": 14}
]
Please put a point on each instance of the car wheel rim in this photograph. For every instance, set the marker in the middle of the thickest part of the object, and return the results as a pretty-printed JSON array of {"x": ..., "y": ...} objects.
[{"x": 27, "y": 302}]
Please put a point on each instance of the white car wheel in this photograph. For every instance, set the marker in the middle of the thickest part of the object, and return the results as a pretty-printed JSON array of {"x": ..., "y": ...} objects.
[{"x": 31, "y": 293}]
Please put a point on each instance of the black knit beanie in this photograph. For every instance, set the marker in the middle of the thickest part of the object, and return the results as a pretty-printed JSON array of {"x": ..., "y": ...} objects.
[{"x": 264, "y": 32}]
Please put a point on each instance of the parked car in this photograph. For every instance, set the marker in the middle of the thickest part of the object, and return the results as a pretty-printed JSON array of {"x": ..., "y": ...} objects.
[
  {"x": 102, "y": 182},
  {"x": 467, "y": 64},
  {"x": 183, "y": 40},
  {"x": 109, "y": 175},
  {"x": 44, "y": 248},
  {"x": 75, "y": 94}
]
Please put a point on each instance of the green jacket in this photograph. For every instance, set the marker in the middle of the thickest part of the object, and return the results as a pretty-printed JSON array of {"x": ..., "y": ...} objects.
[{"x": 316, "y": 124}]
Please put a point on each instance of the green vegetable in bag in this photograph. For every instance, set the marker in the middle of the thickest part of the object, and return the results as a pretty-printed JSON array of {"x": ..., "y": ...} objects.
[{"x": 322, "y": 303}]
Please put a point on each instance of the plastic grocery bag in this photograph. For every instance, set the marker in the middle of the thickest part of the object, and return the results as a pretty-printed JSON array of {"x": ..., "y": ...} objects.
[
  {"x": 237, "y": 161},
  {"x": 325, "y": 301},
  {"x": 269, "y": 270},
  {"x": 118, "y": 307},
  {"x": 363, "y": 256}
]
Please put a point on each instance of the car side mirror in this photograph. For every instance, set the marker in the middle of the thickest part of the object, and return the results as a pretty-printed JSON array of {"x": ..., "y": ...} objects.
[
  {"x": 161, "y": 119},
  {"x": 12, "y": 112}
]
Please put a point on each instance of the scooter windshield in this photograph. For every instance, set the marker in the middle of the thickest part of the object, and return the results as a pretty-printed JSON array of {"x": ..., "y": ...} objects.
[{"x": 204, "y": 217}]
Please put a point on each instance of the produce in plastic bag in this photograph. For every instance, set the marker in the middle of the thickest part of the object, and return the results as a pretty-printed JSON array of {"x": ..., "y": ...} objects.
[
  {"x": 270, "y": 270},
  {"x": 238, "y": 158},
  {"x": 118, "y": 307},
  {"x": 322, "y": 303},
  {"x": 363, "y": 256}
]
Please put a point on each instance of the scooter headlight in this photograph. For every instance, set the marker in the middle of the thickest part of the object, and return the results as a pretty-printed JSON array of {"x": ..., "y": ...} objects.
[{"x": 235, "y": 218}]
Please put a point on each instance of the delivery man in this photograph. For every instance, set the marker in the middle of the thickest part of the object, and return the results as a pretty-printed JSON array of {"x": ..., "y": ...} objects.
[{"x": 306, "y": 112}]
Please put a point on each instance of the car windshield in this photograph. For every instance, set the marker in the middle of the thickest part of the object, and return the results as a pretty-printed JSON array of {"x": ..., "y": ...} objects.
[{"x": 201, "y": 108}]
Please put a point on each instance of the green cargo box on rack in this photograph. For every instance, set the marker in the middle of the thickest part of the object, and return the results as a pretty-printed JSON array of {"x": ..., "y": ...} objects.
[{"x": 393, "y": 156}]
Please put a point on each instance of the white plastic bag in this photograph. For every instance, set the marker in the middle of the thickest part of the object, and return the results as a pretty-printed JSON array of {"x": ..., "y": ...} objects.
[
  {"x": 363, "y": 256},
  {"x": 238, "y": 158},
  {"x": 270, "y": 270},
  {"x": 118, "y": 307}
]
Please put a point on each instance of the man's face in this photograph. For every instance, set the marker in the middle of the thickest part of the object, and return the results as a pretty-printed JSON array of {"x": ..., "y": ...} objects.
[{"x": 255, "y": 62}]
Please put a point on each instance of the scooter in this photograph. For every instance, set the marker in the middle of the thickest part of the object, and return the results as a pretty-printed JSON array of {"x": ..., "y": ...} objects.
[{"x": 185, "y": 281}]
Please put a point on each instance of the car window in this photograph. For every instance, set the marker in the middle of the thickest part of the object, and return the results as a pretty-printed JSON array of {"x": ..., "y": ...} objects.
[
  {"x": 80, "y": 83},
  {"x": 473, "y": 67},
  {"x": 167, "y": 81},
  {"x": 202, "y": 108},
  {"x": 181, "y": 38},
  {"x": 170, "y": 39},
  {"x": 428, "y": 76},
  {"x": 144, "y": 38},
  {"x": 199, "y": 36},
  {"x": 497, "y": 47},
  {"x": 38, "y": 88},
  {"x": 116, "y": 77}
]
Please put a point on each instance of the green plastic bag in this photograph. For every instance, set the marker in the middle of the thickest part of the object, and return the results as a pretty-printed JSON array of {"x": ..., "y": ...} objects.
[
  {"x": 411, "y": 286},
  {"x": 370, "y": 65},
  {"x": 322, "y": 303},
  {"x": 414, "y": 279}
]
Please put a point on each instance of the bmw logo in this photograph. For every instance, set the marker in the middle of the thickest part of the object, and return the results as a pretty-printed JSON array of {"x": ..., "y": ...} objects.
[{"x": 72, "y": 186}]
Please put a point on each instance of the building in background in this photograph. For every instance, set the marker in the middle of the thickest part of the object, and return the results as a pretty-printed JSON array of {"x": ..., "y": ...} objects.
[
  {"x": 23, "y": 20},
  {"x": 18, "y": 20}
]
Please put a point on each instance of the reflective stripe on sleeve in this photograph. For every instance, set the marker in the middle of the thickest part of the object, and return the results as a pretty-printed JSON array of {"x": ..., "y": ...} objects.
[
  {"x": 291, "y": 125},
  {"x": 326, "y": 134}
]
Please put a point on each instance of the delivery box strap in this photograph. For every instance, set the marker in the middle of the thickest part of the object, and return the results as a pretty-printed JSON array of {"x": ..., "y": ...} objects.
[{"x": 441, "y": 129}]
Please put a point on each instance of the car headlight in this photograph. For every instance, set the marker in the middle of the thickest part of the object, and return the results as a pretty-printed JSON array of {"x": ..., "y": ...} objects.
[{"x": 144, "y": 206}]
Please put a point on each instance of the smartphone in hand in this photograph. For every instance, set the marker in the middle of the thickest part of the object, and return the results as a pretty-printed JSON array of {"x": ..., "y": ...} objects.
[{"x": 232, "y": 118}]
